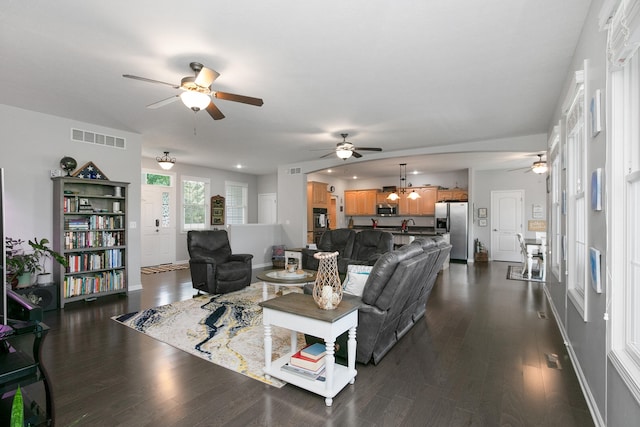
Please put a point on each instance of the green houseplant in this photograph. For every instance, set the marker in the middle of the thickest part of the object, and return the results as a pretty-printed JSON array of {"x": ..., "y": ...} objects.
[
  {"x": 21, "y": 263},
  {"x": 42, "y": 253}
]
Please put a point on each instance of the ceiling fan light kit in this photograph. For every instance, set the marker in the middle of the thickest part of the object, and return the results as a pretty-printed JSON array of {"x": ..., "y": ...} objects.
[
  {"x": 197, "y": 94},
  {"x": 195, "y": 100},
  {"x": 539, "y": 166},
  {"x": 165, "y": 161},
  {"x": 343, "y": 153}
]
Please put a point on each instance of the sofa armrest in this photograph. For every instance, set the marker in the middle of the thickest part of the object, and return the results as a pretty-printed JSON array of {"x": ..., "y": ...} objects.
[{"x": 308, "y": 261}]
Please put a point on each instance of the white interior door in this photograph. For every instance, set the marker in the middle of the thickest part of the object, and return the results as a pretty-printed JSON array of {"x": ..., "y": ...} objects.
[
  {"x": 267, "y": 208},
  {"x": 506, "y": 221},
  {"x": 158, "y": 225}
]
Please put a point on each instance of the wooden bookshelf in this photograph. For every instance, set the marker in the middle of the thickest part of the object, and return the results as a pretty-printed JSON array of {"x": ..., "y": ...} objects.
[{"x": 90, "y": 230}]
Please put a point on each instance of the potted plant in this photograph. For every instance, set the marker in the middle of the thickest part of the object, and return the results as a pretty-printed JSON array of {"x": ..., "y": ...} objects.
[
  {"x": 42, "y": 252},
  {"x": 20, "y": 265}
]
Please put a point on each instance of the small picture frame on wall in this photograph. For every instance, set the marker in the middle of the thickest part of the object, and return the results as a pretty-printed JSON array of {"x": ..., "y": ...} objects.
[
  {"x": 596, "y": 190},
  {"x": 482, "y": 222},
  {"x": 594, "y": 266},
  {"x": 482, "y": 213},
  {"x": 595, "y": 113}
]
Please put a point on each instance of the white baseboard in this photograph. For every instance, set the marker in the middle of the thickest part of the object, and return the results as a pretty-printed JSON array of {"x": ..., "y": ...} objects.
[{"x": 584, "y": 385}]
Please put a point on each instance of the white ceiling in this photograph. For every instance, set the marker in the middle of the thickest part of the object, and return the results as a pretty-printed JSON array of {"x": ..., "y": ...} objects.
[{"x": 399, "y": 75}]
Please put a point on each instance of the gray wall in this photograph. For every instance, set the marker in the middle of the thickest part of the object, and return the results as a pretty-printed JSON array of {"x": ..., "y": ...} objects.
[
  {"x": 32, "y": 145},
  {"x": 610, "y": 398}
]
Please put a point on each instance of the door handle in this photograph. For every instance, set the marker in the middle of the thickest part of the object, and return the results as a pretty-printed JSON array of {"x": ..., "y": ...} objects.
[
  {"x": 157, "y": 223},
  {"x": 495, "y": 229}
]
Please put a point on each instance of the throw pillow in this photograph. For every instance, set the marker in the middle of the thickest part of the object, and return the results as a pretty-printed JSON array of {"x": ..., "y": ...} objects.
[{"x": 357, "y": 276}]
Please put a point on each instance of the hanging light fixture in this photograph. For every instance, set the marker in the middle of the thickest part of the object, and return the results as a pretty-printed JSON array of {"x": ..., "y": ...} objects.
[
  {"x": 195, "y": 100},
  {"x": 401, "y": 190},
  {"x": 165, "y": 161}
]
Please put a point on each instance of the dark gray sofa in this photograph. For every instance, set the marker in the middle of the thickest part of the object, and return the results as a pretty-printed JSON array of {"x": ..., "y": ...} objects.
[
  {"x": 363, "y": 248},
  {"x": 395, "y": 297}
]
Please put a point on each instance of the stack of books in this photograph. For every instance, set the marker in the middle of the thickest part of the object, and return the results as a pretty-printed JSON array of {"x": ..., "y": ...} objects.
[{"x": 308, "y": 362}]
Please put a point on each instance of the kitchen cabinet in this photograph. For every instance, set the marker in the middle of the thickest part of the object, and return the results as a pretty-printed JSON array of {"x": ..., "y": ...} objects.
[
  {"x": 381, "y": 198},
  {"x": 458, "y": 194},
  {"x": 424, "y": 206},
  {"x": 360, "y": 202},
  {"x": 317, "y": 197}
]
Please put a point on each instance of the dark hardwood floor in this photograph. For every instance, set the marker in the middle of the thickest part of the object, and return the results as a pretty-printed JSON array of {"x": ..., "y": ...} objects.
[{"x": 476, "y": 359}]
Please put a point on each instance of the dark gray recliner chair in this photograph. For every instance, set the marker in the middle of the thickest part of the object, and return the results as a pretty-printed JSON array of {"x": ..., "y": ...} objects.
[
  {"x": 368, "y": 246},
  {"x": 214, "y": 269},
  {"x": 340, "y": 240}
]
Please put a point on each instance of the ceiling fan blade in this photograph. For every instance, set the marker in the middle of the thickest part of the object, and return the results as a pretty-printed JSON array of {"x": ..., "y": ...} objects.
[
  {"x": 206, "y": 76},
  {"x": 239, "y": 98},
  {"x": 144, "y": 79},
  {"x": 214, "y": 112},
  {"x": 368, "y": 148},
  {"x": 332, "y": 153},
  {"x": 356, "y": 154},
  {"x": 163, "y": 102}
]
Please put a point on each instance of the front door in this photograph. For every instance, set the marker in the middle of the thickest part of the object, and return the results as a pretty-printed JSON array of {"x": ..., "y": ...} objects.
[
  {"x": 158, "y": 225},
  {"x": 506, "y": 221}
]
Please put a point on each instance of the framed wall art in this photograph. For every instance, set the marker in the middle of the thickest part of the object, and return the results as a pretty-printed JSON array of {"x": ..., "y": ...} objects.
[
  {"x": 217, "y": 210},
  {"x": 482, "y": 212},
  {"x": 596, "y": 190}
]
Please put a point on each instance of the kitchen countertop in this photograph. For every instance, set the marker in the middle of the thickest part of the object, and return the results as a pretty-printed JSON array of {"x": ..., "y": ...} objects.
[{"x": 413, "y": 231}]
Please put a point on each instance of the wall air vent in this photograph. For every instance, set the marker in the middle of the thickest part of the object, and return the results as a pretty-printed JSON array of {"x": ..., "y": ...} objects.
[
  {"x": 293, "y": 171},
  {"x": 89, "y": 137}
]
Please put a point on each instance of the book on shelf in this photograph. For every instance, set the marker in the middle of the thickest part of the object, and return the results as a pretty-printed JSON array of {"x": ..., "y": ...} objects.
[
  {"x": 314, "y": 351},
  {"x": 304, "y": 373},
  {"x": 301, "y": 361}
]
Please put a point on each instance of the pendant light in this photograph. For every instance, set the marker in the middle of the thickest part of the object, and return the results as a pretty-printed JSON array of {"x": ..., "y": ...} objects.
[
  {"x": 165, "y": 161},
  {"x": 401, "y": 190}
]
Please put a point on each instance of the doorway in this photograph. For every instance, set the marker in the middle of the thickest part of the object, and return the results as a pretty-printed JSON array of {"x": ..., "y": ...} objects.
[
  {"x": 506, "y": 221},
  {"x": 158, "y": 222},
  {"x": 267, "y": 208}
]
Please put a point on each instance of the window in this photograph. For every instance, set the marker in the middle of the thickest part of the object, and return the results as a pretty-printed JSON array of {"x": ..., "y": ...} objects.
[
  {"x": 623, "y": 190},
  {"x": 236, "y": 200},
  {"x": 195, "y": 193},
  {"x": 555, "y": 187},
  {"x": 576, "y": 196}
]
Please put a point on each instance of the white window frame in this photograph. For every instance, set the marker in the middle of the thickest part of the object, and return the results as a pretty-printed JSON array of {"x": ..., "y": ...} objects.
[
  {"x": 576, "y": 193},
  {"x": 207, "y": 194},
  {"x": 232, "y": 204},
  {"x": 623, "y": 206},
  {"x": 556, "y": 244}
]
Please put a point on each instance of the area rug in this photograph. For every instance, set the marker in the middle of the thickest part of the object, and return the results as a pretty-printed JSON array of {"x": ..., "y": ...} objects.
[
  {"x": 163, "y": 268},
  {"x": 514, "y": 272},
  {"x": 223, "y": 329}
]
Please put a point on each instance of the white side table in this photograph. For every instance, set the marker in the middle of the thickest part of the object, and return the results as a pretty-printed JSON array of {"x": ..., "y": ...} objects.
[{"x": 300, "y": 311}]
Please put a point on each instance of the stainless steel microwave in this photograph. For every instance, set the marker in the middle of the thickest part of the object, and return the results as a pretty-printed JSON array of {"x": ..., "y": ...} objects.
[{"x": 387, "y": 210}]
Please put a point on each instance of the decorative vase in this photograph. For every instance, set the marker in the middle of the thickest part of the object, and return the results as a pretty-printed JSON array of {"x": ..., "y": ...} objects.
[
  {"x": 45, "y": 278},
  {"x": 24, "y": 280},
  {"x": 327, "y": 289}
]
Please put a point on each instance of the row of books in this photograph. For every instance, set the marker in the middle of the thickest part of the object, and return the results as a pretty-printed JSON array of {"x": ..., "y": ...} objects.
[
  {"x": 92, "y": 239},
  {"x": 95, "y": 222},
  {"x": 308, "y": 362},
  {"x": 110, "y": 258},
  {"x": 86, "y": 285}
]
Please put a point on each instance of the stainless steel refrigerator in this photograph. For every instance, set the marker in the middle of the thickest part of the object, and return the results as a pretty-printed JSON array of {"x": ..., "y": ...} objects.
[{"x": 453, "y": 218}]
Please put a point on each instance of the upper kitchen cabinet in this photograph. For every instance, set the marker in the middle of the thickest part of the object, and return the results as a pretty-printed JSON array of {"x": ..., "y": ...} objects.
[
  {"x": 423, "y": 206},
  {"x": 457, "y": 194},
  {"x": 360, "y": 202},
  {"x": 319, "y": 194}
]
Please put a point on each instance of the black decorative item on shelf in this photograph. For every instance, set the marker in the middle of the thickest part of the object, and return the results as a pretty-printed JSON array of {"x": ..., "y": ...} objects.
[{"x": 68, "y": 164}]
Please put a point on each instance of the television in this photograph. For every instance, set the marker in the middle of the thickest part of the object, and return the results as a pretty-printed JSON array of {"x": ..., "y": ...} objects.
[{"x": 3, "y": 256}]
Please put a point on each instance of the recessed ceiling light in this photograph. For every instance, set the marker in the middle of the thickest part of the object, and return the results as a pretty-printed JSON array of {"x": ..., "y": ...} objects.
[
  {"x": 355, "y": 177},
  {"x": 238, "y": 166},
  {"x": 329, "y": 171}
]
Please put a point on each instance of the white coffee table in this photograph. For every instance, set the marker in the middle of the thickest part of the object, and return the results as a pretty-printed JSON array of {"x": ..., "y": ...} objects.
[{"x": 300, "y": 313}]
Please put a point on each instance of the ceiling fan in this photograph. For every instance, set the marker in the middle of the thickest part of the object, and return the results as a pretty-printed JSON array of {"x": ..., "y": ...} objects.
[
  {"x": 539, "y": 166},
  {"x": 345, "y": 149},
  {"x": 196, "y": 92}
]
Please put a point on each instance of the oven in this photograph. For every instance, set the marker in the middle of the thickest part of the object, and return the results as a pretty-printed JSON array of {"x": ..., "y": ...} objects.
[{"x": 320, "y": 223}]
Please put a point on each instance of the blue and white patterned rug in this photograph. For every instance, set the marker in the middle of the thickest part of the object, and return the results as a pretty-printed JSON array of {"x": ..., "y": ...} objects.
[{"x": 224, "y": 329}]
